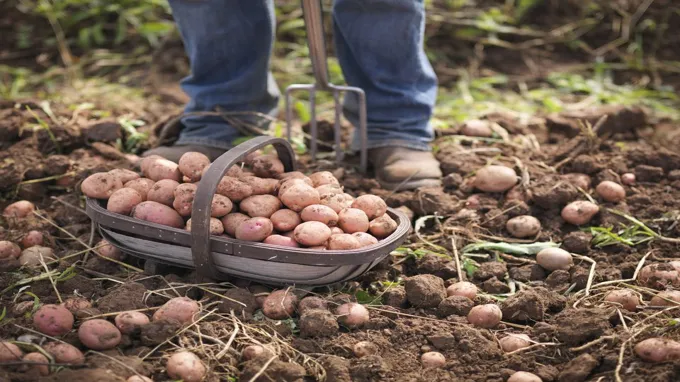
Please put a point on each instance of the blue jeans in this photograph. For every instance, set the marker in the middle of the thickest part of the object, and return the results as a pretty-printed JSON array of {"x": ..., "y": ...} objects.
[{"x": 379, "y": 45}]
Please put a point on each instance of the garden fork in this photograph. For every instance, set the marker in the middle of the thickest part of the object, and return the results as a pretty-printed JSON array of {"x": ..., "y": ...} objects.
[{"x": 313, "y": 17}]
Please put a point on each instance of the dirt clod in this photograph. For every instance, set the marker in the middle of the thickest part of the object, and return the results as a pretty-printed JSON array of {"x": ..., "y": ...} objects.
[
  {"x": 240, "y": 300},
  {"x": 578, "y": 326},
  {"x": 128, "y": 296},
  {"x": 578, "y": 369},
  {"x": 318, "y": 323},
  {"x": 491, "y": 269},
  {"x": 458, "y": 305},
  {"x": 157, "y": 332},
  {"x": 425, "y": 291}
]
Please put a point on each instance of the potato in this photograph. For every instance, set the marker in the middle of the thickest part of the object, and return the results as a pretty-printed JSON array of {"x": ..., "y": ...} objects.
[
  {"x": 280, "y": 304},
  {"x": 518, "y": 193},
  {"x": 216, "y": 227},
  {"x": 163, "y": 192},
  {"x": 182, "y": 309},
  {"x": 267, "y": 166},
  {"x": 462, "y": 288},
  {"x": 318, "y": 247},
  {"x": 129, "y": 322},
  {"x": 523, "y": 226},
  {"x": 382, "y": 227},
  {"x": 221, "y": 205},
  {"x": 477, "y": 128},
  {"x": 281, "y": 240},
  {"x": 298, "y": 196},
  {"x": 285, "y": 220},
  {"x": 579, "y": 212},
  {"x": 524, "y": 376},
  {"x": 353, "y": 220},
  {"x": 157, "y": 213},
  {"x": 610, "y": 191},
  {"x": 365, "y": 239},
  {"x": 553, "y": 259},
  {"x": 53, "y": 320},
  {"x": 659, "y": 276},
  {"x": 100, "y": 185},
  {"x": 495, "y": 178},
  {"x": 163, "y": 169},
  {"x": 124, "y": 175},
  {"x": 233, "y": 220},
  {"x": 184, "y": 198},
  {"x": 433, "y": 359},
  {"x": 31, "y": 257},
  {"x": 295, "y": 175},
  {"x": 352, "y": 315},
  {"x": 191, "y": 164},
  {"x": 628, "y": 179},
  {"x": 285, "y": 184},
  {"x": 254, "y": 229},
  {"x": 9, "y": 250},
  {"x": 365, "y": 348},
  {"x": 514, "y": 342},
  {"x": 319, "y": 213},
  {"x": 255, "y": 351},
  {"x": 261, "y": 186},
  {"x": 75, "y": 304},
  {"x": 260, "y": 205},
  {"x": 139, "y": 378},
  {"x": 625, "y": 298},
  {"x": 142, "y": 186},
  {"x": 312, "y": 233},
  {"x": 42, "y": 363},
  {"x": 329, "y": 189},
  {"x": 10, "y": 352},
  {"x": 658, "y": 350},
  {"x": 31, "y": 239},
  {"x": 485, "y": 316},
  {"x": 19, "y": 209},
  {"x": 147, "y": 161},
  {"x": 337, "y": 202},
  {"x": 578, "y": 180},
  {"x": 311, "y": 302},
  {"x": 234, "y": 189},
  {"x": 123, "y": 200},
  {"x": 343, "y": 241},
  {"x": 323, "y": 177},
  {"x": 186, "y": 366},
  {"x": 372, "y": 205},
  {"x": 105, "y": 249},
  {"x": 64, "y": 353},
  {"x": 666, "y": 298}
]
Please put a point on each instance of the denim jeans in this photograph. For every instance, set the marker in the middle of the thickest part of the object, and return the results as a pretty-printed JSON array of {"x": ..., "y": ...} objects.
[{"x": 379, "y": 45}]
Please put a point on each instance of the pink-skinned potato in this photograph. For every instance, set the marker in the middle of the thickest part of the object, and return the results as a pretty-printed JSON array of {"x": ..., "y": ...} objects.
[
  {"x": 281, "y": 240},
  {"x": 221, "y": 205},
  {"x": 352, "y": 315},
  {"x": 337, "y": 202},
  {"x": 216, "y": 226},
  {"x": 184, "y": 199},
  {"x": 285, "y": 220},
  {"x": 9, "y": 250},
  {"x": 141, "y": 185},
  {"x": 64, "y": 353},
  {"x": 312, "y": 233},
  {"x": 129, "y": 322},
  {"x": 323, "y": 177},
  {"x": 495, "y": 178},
  {"x": 336, "y": 231},
  {"x": 353, "y": 220},
  {"x": 267, "y": 166},
  {"x": 157, "y": 213},
  {"x": 19, "y": 209},
  {"x": 343, "y": 241},
  {"x": 147, "y": 161},
  {"x": 374, "y": 206},
  {"x": 234, "y": 189},
  {"x": 254, "y": 229},
  {"x": 579, "y": 212},
  {"x": 260, "y": 205},
  {"x": 182, "y": 309},
  {"x": 36, "y": 361},
  {"x": 261, "y": 186},
  {"x": 365, "y": 239},
  {"x": 124, "y": 175},
  {"x": 382, "y": 227},
  {"x": 74, "y": 304},
  {"x": 31, "y": 239},
  {"x": 100, "y": 185},
  {"x": 32, "y": 256},
  {"x": 123, "y": 200},
  {"x": 232, "y": 221},
  {"x": 163, "y": 192},
  {"x": 10, "y": 352},
  {"x": 163, "y": 169},
  {"x": 186, "y": 366},
  {"x": 191, "y": 164},
  {"x": 298, "y": 196},
  {"x": 330, "y": 188},
  {"x": 658, "y": 350},
  {"x": 280, "y": 304},
  {"x": 104, "y": 248},
  {"x": 320, "y": 213},
  {"x": 99, "y": 334},
  {"x": 53, "y": 320}
]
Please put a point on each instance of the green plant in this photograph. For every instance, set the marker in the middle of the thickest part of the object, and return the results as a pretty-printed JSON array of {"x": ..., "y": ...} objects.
[{"x": 131, "y": 137}]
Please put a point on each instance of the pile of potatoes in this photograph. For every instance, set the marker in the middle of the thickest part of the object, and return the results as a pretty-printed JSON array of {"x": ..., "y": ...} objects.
[{"x": 256, "y": 201}]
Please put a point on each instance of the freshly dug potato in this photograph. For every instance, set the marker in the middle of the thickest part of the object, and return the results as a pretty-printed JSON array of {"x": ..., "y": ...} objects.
[
  {"x": 626, "y": 298},
  {"x": 261, "y": 186},
  {"x": 267, "y": 166},
  {"x": 298, "y": 196},
  {"x": 254, "y": 229},
  {"x": 9, "y": 250},
  {"x": 281, "y": 240},
  {"x": 19, "y": 209},
  {"x": 295, "y": 175},
  {"x": 659, "y": 276},
  {"x": 124, "y": 175},
  {"x": 234, "y": 189},
  {"x": 495, "y": 178},
  {"x": 41, "y": 363},
  {"x": 485, "y": 316},
  {"x": 129, "y": 322},
  {"x": 311, "y": 234},
  {"x": 184, "y": 198},
  {"x": 658, "y": 350},
  {"x": 31, "y": 257},
  {"x": 255, "y": 351},
  {"x": 433, "y": 360},
  {"x": 192, "y": 164},
  {"x": 10, "y": 352},
  {"x": 365, "y": 239},
  {"x": 280, "y": 304},
  {"x": 31, "y": 239},
  {"x": 514, "y": 342},
  {"x": 553, "y": 259},
  {"x": 75, "y": 304},
  {"x": 374, "y": 206},
  {"x": 382, "y": 227},
  {"x": 323, "y": 177},
  {"x": 578, "y": 180},
  {"x": 186, "y": 366},
  {"x": 353, "y": 220},
  {"x": 319, "y": 213},
  {"x": 155, "y": 212},
  {"x": 337, "y": 202},
  {"x": 285, "y": 184},
  {"x": 579, "y": 212},
  {"x": 628, "y": 179},
  {"x": 100, "y": 185},
  {"x": 285, "y": 220},
  {"x": 260, "y": 205},
  {"x": 610, "y": 191},
  {"x": 163, "y": 192},
  {"x": 99, "y": 334},
  {"x": 232, "y": 221},
  {"x": 65, "y": 353},
  {"x": 524, "y": 376},
  {"x": 343, "y": 241},
  {"x": 53, "y": 320},
  {"x": 329, "y": 189},
  {"x": 182, "y": 309},
  {"x": 123, "y": 200},
  {"x": 221, "y": 205},
  {"x": 523, "y": 226},
  {"x": 216, "y": 227},
  {"x": 352, "y": 315},
  {"x": 666, "y": 298},
  {"x": 146, "y": 162},
  {"x": 477, "y": 128},
  {"x": 364, "y": 348},
  {"x": 462, "y": 288},
  {"x": 104, "y": 248},
  {"x": 338, "y": 231},
  {"x": 163, "y": 169}
]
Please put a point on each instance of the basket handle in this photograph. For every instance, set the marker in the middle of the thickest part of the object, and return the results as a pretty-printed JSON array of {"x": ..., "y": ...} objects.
[{"x": 201, "y": 250}]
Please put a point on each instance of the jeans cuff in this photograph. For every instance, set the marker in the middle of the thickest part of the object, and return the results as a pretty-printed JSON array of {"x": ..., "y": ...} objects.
[
  {"x": 204, "y": 142},
  {"x": 413, "y": 145}
]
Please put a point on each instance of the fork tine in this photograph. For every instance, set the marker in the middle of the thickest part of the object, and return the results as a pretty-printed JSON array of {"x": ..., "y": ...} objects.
[
  {"x": 336, "y": 124},
  {"x": 312, "y": 123}
]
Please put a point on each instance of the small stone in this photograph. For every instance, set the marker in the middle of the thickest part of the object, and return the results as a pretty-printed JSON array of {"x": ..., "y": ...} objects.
[{"x": 645, "y": 173}]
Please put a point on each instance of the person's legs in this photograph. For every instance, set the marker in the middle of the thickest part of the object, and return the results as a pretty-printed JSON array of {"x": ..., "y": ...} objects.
[{"x": 229, "y": 44}]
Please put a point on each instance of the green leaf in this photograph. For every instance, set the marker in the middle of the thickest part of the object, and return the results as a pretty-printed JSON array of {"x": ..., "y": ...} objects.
[
  {"x": 512, "y": 248},
  {"x": 302, "y": 110}
]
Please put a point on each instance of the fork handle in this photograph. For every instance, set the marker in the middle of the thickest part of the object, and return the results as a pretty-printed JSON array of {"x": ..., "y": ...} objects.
[{"x": 313, "y": 16}]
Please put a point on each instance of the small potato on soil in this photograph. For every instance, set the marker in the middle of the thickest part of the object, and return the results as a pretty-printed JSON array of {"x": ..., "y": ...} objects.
[
  {"x": 129, "y": 322},
  {"x": 323, "y": 177},
  {"x": 100, "y": 185},
  {"x": 382, "y": 227},
  {"x": 495, "y": 178},
  {"x": 659, "y": 276},
  {"x": 625, "y": 298},
  {"x": 514, "y": 342},
  {"x": 267, "y": 166},
  {"x": 462, "y": 288},
  {"x": 234, "y": 189},
  {"x": 9, "y": 250},
  {"x": 364, "y": 348},
  {"x": 312, "y": 233},
  {"x": 163, "y": 192},
  {"x": 343, "y": 241},
  {"x": 523, "y": 226},
  {"x": 279, "y": 305},
  {"x": 553, "y": 259},
  {"x": 31, "y": 239},
  {"x": 192, "y": 164},
  {"x": 524, "y": 376},
  {"x": 485, "y": 316},
  {"x": 155, "y": 212},
  {"x": 65, "y": 353},
  {"x": 318, "y": 323},
  {"x": 216, "y": 227},
  {"x": 628, "y": 179},
  {"x": 163, "y": 169},
  {"x": 254, "y": 229},
  {"x": 104, "y": 248},
  {"x": 20, "y": 209},
  {"x": 123, "y": 200},
  {"x": 658, "y": 350},
  {"x": 260, "y": 205},
  {"x": 433, "y": 359},
  {"x": 98, "y": 334},
  {"x": 42, "y": 363},
  {"x": 10, "y": 352},
  {"x": 31, "y": 257},
  {"x": 255, "y": 351},
  {"x": 285, "y": 220},
  {"x": 182, "y": 309},
  {"x": 124, "y": 175},
  {"x": 353, "y": 220},
  {"x": 352, "y": 315},
  {"x": 232, "y": 221},
  {"x": 365, "y": 239},
  {"x": 75, "y": 304},
  {"x": 281, "y": 240},
  {"x": 666, "y": 298},
  {"x": 221, "y": 205},
  {"x": 298, "y": 196},
  {"x": 374, "y": 206},
  {"x": 319, "y": 213},
  {"x": 579, "y": 212},
  {"x": 186, "y": 366},
  {"x": 311, "y": 302},
  {"x": 477, "y": 128},
  {"x": 610, "y": 191}
]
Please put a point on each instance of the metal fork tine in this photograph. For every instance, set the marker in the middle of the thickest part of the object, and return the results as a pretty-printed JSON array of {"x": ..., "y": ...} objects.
[
  {"x": 336, "y": 125},
  {"x": 312, "y": 123}
]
